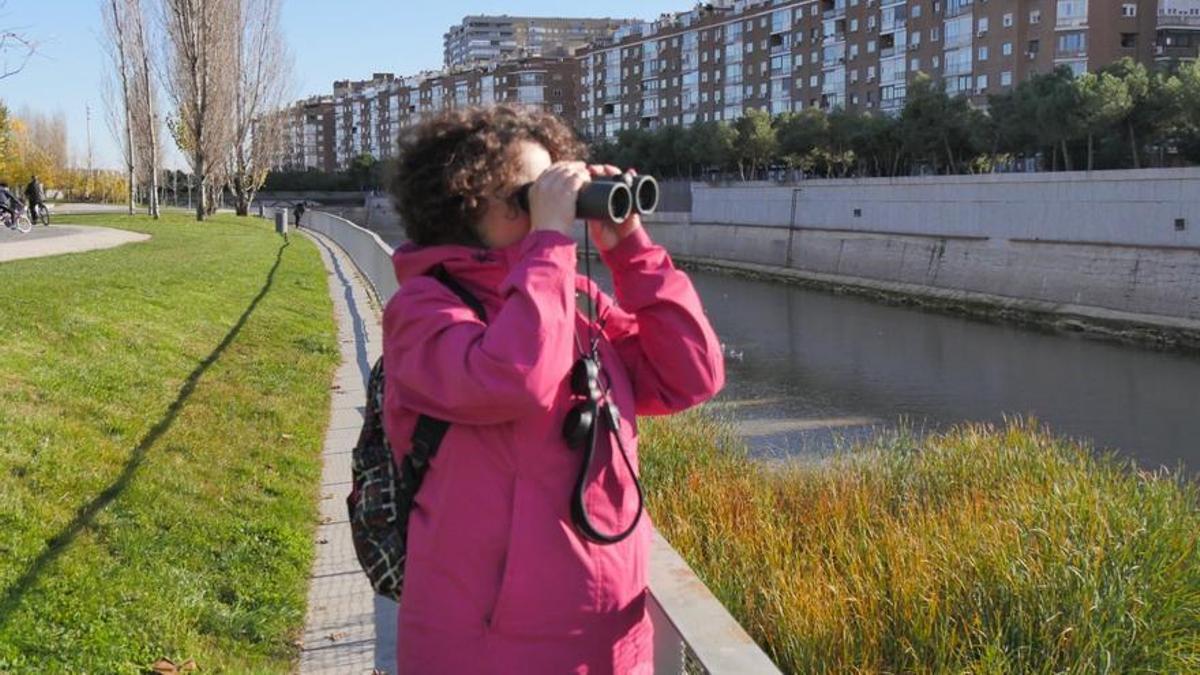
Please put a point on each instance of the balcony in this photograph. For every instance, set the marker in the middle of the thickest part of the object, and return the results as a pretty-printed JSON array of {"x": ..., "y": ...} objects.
[{"x": 1177, "y": 20}]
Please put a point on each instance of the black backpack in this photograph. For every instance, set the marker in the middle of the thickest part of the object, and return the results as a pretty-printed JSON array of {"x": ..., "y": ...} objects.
[{"x": 382, "y": 493}]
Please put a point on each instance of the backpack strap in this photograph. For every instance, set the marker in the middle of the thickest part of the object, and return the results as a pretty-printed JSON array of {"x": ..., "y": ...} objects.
[
  {"x": 450, "y": 282},
  {"x": 430, "y": 431}
]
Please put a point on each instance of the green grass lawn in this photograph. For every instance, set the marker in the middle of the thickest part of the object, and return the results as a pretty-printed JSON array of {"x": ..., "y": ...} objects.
[
  {"x": 162, "y": 409},
  {"x": 981, "y": 550}
]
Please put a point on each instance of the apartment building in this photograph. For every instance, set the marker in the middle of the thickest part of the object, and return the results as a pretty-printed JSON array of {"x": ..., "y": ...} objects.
[
  {"x": 482, "y": 40},
  {"x": 715, "y": 61},
  {"x": 308, "y": 135},
  {"x": 369, "y": 115}
]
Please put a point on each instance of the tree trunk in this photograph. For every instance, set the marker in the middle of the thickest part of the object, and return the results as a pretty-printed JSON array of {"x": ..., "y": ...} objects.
[
  {"x": 1133, "y": 145},
  {"x": 121, "y": 46},
  {"x": 1091, "y": 151},
  {"x": 201, "y": 188},
  {"x": 1066, "y": 155}
]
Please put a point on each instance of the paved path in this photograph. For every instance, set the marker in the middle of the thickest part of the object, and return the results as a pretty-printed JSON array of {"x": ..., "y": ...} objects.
[
  {"x": 59, "y": 239},
  {"x": 349, "y": 629}
]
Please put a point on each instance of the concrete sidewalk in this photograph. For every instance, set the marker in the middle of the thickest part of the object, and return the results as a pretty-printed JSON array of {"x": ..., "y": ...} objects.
[
  {"x": 59, "y": 239},
  {"x": 349, "y": 629}
]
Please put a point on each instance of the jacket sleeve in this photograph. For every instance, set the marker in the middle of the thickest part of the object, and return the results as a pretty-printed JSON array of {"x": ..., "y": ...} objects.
[
  {"x": 442, "y": 361},
  {"x": 664, "y": 339}
]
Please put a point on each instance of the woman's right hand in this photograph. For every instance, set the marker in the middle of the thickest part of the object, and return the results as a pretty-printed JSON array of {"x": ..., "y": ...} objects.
[{"x": 553, "y": 195}]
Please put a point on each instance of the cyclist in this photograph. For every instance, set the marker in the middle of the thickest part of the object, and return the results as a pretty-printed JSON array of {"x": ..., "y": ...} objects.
[
  {"x": 9, "y": 202},
  {"x": 35, "y": 196}
]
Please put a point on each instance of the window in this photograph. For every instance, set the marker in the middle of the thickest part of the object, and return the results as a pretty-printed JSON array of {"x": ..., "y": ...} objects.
[
  {"x": 937, "y": 62},
  {"x": 853, "y": 25},
  {"x": 1071, "y": 43},
  {"x": 934, "y": 34},
  {"x": 854, "y": 75},
  {"x": 914, "y": 65},
  {"x": 1006, "y": 49},
  {"x": 870, "y": 73},
  {"x": 1008, "y": 20},
  {"x": 1128, "y": 9},
  {"x": 982, "y": 26},
  {"x": 1034, "y": 47},
  {"x": 981, "y": 84},
  {"x": 916, "y": 11},
  {"x": 1035, "y": 16},
  {"x": 983, "y": 53},
  {"x": 870, "y": 46},
  {"x": 1128, "y": 40},
  {"x": 812, "y": 79},
  {"x": 853, "y": 51},
  {"x": 1006, "y": 78}
]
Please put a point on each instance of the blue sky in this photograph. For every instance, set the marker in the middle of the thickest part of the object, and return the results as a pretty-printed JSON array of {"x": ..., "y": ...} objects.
[{"x": 330, "y": 41}]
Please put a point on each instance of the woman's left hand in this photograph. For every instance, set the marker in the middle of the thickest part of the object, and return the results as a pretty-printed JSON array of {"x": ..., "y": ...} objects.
[{"x": 606, "y": 234}]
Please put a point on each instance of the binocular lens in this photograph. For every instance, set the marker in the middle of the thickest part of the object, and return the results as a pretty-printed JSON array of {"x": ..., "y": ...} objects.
[
  {"x": 611, "y": 199},
  {"x": 645, "y": 191}
]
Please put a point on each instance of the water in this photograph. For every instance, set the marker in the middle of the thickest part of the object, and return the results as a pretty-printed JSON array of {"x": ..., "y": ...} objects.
[{"x": 807, "y": 369}]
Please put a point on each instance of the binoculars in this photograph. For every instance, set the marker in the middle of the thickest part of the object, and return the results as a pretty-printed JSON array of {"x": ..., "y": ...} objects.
[{"x": 612, "y": 199}]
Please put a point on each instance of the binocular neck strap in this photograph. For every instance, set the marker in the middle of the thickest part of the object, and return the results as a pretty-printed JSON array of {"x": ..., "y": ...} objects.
[{"x": 579, "y": 512}]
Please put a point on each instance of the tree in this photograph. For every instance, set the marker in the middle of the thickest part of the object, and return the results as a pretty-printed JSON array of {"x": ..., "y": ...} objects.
[
  {"x": 263, "y": 74},
  {"x": 756, "y": 142},
  {"x": 800, "y": 134},
  {"x": 1104, "y": 101},
  {"x": 201, "y": 78},
  {"x": 146, "y": 106},
  {"x": 1189, "y": 97},
  {"x": 16, "y": 43},
  {"x": 361, "y": 170},
  {"x": 714, "y": 143},
  {"x": 119, "y": 44},
  {"x": 935, "y": 125}
]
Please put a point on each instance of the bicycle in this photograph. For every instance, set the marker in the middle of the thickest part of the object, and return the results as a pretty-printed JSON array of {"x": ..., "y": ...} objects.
[
  {"x": 39, "y": 212},
  {"x": 16, "y": 220}
]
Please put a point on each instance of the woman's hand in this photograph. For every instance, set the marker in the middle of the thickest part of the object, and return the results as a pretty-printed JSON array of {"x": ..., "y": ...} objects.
[
  {"x": 605, "y": 233},
  {"x": 553, "y": 195}
]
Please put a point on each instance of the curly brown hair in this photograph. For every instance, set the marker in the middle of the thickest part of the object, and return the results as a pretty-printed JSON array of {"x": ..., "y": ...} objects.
[{"x": 451, "y": 163}]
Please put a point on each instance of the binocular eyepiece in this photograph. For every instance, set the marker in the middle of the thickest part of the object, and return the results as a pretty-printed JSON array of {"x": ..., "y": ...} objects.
[{"x": 612, "y": 199}]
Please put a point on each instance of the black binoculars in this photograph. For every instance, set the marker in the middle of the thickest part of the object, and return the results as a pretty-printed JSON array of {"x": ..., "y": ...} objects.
[{"x": 612, "y": 199}]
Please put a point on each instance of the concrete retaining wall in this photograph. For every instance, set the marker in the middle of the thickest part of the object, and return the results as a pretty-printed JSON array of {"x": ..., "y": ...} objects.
[{"x": 1122, "y": 241}]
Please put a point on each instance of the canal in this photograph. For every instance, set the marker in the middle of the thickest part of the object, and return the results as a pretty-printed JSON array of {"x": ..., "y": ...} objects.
[{"x": 809, "y": 370}]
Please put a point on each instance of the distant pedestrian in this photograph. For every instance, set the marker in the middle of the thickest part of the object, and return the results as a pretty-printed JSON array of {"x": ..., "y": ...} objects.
[
  {"x": 299, "y": 209},
  {"x": 35, "y": 196}
]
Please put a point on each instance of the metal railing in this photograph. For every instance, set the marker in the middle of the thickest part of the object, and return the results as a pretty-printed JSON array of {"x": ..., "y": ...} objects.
[{"x": 691, "y": 628}]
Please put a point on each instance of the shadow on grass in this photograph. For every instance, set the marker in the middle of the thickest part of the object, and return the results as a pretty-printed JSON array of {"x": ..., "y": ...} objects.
[{"x": 84, "y": 517}]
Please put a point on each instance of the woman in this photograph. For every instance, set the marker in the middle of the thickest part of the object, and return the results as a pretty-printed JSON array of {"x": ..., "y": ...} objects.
[{"x": 499, "y": 577}]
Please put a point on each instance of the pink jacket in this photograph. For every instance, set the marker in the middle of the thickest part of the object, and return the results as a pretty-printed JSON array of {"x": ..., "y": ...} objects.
[{"x": 498, "y": 580}]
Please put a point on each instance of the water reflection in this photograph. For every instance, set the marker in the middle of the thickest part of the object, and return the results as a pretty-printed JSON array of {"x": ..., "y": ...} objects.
[{"x": 807, "y": 368}]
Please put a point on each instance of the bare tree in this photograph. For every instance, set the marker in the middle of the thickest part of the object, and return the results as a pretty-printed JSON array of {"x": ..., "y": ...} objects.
[
  {"x": 116, "y": 40},
  {"x": 201, "y": 80},
  {"x": 264, "y": 69},
  {"x": 16, "y": 44},
  {"x": 148, "y": 123}
]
